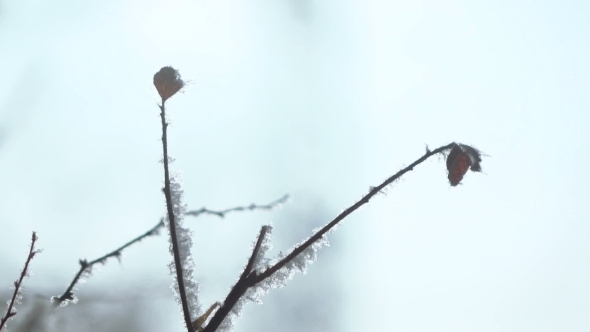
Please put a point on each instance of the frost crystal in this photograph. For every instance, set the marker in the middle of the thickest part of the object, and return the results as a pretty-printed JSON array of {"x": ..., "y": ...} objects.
[
  {"x": 185, "y": 242},
  {"x": 300, "y": 263},
  {"x": 277, "y": 280},
  {"x": 260, "y": 260}
]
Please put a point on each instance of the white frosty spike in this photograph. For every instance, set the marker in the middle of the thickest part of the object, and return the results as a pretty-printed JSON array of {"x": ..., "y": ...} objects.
[
  {"x": 185, "y": 242},
  {"x": 279, "y": 279}
]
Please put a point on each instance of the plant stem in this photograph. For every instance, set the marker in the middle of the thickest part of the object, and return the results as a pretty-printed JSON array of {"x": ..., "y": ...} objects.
[{"x": 169, "y": 205}]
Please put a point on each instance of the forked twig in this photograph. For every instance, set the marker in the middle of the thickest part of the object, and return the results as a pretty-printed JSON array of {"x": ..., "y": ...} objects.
[
  {"x": 172, "y": 223},
  {"x": 364, "y": 200},
  {"x": 247, "y": 280},
  {"x": 86, "y": 266},
  {"x": 251, "y": 278}
]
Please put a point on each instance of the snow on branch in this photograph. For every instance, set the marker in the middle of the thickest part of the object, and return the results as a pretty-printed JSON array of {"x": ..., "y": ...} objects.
[{"x": 242, "y": 292}]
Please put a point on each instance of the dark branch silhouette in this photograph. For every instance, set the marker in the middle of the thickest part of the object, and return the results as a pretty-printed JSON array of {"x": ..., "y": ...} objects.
[
  {"x": 460, "y": 159},
  {"x": 86, "y": 266},
  {"x": 172, "y": 223},
  {"x": 250, "y": 207},
  {"x": 251, "y": 278},
  {"x": 10, "y": 312},
  {"x": 247, "y": 280}
]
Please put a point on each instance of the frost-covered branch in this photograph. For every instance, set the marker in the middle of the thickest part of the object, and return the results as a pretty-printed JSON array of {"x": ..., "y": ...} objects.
[
  {"x": 168, "y": 82},
  {"x": 17, "y": 295},
  {"x": 258, "y": 280},
  {"x": 245, "y": 282},
  {"x": 86, "y": 266}
]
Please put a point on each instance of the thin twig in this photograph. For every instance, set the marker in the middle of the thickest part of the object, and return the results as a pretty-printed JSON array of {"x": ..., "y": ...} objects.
[
  {"x": 244, "y": 283},
  {"x": 222, "y": 213},
  {"x": 10, "y": 312},
  {"x": 255, "y": 252},
  {"x": 172, "y": 224},
  {"x": 239, "y": 289},
  {"x": 86, "y": 266},
  {"x": 348, "y": 211}
]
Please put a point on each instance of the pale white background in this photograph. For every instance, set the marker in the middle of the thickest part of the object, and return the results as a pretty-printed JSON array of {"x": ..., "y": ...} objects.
[{"x": 319, "y": 99}]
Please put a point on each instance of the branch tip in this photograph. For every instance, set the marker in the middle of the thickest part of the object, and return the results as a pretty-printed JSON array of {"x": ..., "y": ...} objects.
[{"x": 10, "y": 311}]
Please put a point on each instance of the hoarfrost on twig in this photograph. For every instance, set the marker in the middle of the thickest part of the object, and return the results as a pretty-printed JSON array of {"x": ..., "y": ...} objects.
[
  {"x": 185, "y": 242},
  {"x": 279, "y": 279}
]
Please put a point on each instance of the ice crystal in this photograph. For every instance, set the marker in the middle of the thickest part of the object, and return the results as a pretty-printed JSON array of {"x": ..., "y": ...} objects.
[
  {"x": 185, "y": 242},
  {"x": 278, "y": 279}
]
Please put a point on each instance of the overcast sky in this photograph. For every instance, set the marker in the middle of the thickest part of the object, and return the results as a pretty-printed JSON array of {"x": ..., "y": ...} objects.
[{"x": 321, "y": 100}]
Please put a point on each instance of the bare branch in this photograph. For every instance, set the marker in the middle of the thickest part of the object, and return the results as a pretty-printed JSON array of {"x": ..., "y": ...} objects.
[
  {"x": 86, "y": 267},
  {"x": 375, "y": 190},
  {"x": 10, "y": 312},
  {"x": 251, "y": 207}
]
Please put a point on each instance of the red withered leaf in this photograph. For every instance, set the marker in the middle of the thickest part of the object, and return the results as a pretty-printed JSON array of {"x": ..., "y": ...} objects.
[
  {"x": 460, "y": 160},
  {"x": 168, "y": 82}
]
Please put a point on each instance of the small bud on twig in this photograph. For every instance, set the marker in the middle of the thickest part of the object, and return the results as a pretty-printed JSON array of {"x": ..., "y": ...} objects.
[{"x": 168, "y": 82}]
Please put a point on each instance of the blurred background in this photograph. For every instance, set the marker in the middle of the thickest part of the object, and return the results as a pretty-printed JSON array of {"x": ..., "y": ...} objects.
[{"x": 321, "y": 100}]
